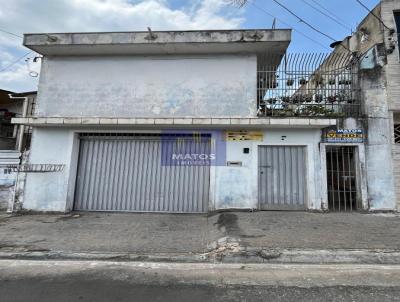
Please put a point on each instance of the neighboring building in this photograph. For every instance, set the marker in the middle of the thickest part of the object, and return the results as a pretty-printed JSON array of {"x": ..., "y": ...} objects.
[
  {"x": 376, "y": 45},
  {"x": 193, "y": 121},
  {"x": 13, "y": 138},
  {"x": 12, "y": 105}
]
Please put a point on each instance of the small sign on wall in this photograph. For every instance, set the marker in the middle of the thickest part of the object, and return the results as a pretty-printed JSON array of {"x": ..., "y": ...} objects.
[
  {"x": 344, "y": 136},
  {"x": 244, "y": 135}
]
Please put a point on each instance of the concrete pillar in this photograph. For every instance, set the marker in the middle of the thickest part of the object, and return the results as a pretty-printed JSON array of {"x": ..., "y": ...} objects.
[{"x": 378, "y": 148}]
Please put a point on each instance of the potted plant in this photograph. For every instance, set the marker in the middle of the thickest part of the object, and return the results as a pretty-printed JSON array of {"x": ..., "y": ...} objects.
[
  {"x": 319, "y": 98},
  {"x": 303, "y": 81},
  {"x": 318, "y": 80},
  {"x": 332, "y": 98}
]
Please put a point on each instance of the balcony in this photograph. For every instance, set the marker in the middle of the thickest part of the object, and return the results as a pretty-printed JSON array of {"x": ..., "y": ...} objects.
[{"x": 309, "y": 85}]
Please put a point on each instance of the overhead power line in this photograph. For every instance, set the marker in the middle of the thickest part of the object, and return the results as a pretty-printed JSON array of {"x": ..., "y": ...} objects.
[
  {"x": 304, "y": 21},
  {"x": 327, "y": 15},
  {"x": 283, "y": 22},
  {"x": 10, "y": 33},
  {"x": 372, "y": 13},
  {"x": 308, "y": 24},
  {"x": 330, "y": 12},
  {"x": 15, "y": 62}
]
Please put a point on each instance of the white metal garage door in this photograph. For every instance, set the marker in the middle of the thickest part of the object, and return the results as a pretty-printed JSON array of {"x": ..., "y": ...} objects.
[{"x": 126, "y": 173}]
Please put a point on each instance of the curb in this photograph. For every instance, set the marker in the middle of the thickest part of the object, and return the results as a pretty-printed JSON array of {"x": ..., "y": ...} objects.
[{"x": 274, "y": 256}]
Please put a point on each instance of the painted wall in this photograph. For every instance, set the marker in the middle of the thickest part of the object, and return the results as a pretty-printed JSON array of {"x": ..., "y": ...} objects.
[
  {"x": 51, "y": 191},
  {"x": 200, "y": 86},
  {"x": 230, "y": 187},
  {"x": 237, "y": 187}
]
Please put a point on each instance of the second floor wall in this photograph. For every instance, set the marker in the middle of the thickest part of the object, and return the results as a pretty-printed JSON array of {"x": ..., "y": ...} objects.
[
  {"x": 390, "y": 11},
  {"x": 148, "y": 86}
]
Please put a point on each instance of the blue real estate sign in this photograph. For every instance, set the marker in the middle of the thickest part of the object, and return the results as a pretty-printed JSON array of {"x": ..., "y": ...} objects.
[
  {"x": 344, "y": 136},
  {"x": 193, "y": 148}
]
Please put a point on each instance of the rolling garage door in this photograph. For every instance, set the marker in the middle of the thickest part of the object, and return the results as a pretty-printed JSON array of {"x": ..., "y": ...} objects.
[{"x": 132, "y": 173}]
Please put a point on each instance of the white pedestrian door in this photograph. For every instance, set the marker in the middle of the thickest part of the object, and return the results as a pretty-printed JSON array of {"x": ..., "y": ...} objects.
[{"x": 282, "y": 178}]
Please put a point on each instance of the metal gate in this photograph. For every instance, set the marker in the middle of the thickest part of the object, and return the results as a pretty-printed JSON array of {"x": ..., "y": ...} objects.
[
  {"x": 127, "y": 173},
  {"x": 282, "y": 178},
  {"x": 341, "y": 178}
]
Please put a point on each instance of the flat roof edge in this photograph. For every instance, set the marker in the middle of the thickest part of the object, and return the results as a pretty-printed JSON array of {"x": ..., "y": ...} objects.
[
  {"x": 162, "y": 31},
  {"x": 159, "y": 41}
]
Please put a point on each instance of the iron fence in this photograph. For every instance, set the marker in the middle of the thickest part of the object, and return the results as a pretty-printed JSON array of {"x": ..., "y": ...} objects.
[{"x": 312, "y": 85}]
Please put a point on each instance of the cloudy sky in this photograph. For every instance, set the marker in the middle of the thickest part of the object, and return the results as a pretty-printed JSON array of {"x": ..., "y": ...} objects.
[{"x": 29, "y": 16}]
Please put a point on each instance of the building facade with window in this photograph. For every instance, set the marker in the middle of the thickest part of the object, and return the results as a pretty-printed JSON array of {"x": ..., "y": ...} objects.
[
  {"x": 390, "y": 14},
  {"x": 196, "y": 121},
  {"x": 376, "y": 44}
]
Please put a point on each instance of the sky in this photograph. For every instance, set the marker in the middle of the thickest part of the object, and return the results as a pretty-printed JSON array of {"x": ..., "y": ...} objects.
[{"x": 31, "y": 16}]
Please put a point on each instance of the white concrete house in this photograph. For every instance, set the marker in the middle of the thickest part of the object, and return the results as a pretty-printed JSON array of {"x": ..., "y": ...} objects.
[{"x": 114, "y": 110}]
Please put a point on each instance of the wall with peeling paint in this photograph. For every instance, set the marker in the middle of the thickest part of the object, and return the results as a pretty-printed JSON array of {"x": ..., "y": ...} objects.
[
  {"x": 381, "y": 193},
  {"x": 379, "y": 78},
  {"x": 7, "y": 181},
  {"x": 173, "y": 86}
]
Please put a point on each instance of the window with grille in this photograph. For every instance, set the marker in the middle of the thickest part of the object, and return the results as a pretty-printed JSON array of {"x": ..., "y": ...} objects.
[
  {"x": 397, "y": 21},
  {"x": 397, "y": 133}
]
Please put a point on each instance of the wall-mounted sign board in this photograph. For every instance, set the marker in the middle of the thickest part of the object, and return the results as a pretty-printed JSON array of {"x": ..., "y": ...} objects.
[
  {"x": 244, "y": 135},
  {"x": 344, "y": 136}
]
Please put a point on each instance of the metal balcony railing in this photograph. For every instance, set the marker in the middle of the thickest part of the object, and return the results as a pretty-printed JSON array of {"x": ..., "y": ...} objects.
[{"x": 309, "y": 85}]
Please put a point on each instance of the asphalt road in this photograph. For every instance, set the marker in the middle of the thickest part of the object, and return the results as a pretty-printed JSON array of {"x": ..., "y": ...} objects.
[
  {"x": 79, "y": 289},
  {"x": 70, "y": 281}
]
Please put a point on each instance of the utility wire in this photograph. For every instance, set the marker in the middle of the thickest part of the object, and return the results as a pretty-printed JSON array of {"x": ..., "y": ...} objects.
[
  {"x": 283, "y": 22},
  {"x": 327, "y": 15},
  {"x": 15, "y": 62},
  {"x": 330, "y": 12},
  {"x": 372, "y": 13},
  {"x": 308, "y": 24},
  {"x": 10, "y": 33},
  {"x": 304, "y": 21}
]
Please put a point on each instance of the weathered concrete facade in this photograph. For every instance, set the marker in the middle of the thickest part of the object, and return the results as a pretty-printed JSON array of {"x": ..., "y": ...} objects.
[
  {"x": 146, "y": 84},
  {"x": 376, "y": 45},
  {"x": 157, "y": 86},
  {"x": 231, "y": 187}
]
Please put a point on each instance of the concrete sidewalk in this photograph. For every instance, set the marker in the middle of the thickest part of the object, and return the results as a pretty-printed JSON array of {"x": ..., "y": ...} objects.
[{"x": 252, "y": 237}]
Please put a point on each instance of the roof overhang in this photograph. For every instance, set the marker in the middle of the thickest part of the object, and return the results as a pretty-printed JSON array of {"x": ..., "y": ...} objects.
[
  {"x": 254, "y": 41},
  {"x": 187, "y": 122},
  {"x": 23, "y": 94}
]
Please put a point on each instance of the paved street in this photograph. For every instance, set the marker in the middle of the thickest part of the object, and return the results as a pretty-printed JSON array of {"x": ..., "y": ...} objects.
[
  {"x": 111, "y": 281},
  {"x": 104, "y": 291}
]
